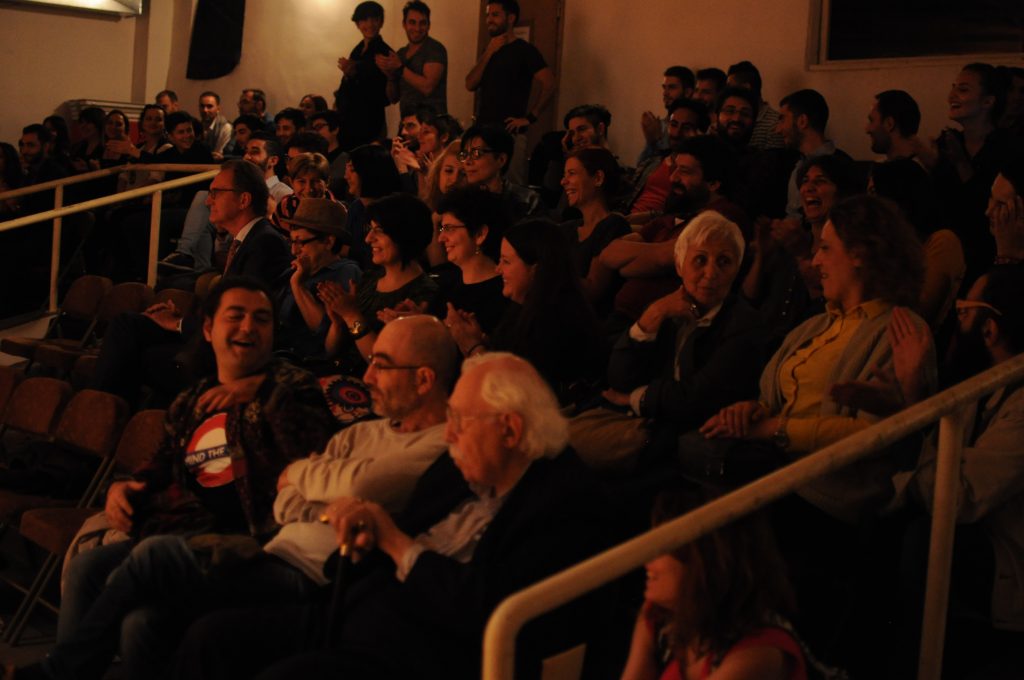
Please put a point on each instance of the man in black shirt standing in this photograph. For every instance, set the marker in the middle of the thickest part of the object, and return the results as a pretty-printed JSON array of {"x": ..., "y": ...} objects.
[{"x": 504, "y": 74}]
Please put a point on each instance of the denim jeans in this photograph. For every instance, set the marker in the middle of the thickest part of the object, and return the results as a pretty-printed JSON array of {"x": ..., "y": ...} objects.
[{"x": 197, "y": 235}]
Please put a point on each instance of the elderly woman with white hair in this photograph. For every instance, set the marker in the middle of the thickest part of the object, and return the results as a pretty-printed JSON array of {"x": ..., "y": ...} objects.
[{"x": 699, "y": 348}]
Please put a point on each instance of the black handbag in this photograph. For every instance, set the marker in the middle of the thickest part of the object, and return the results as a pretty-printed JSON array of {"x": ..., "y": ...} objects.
[{"x": 724, "y": 462}]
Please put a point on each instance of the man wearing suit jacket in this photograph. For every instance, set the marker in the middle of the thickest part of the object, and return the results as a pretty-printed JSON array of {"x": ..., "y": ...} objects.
[
  {"x": 509, "y": 506},
  {"x": 141, "y": 348}
]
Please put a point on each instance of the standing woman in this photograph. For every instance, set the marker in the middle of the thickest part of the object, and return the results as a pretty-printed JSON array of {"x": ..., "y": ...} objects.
[{"x": 362, "y": 95}]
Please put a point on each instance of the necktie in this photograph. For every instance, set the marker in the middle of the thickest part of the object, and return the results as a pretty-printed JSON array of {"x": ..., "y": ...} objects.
[{"x": 232, "y": 249}]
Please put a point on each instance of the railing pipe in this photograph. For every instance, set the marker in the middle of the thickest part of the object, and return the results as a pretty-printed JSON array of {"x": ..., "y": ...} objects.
[
  {"x": 940, "y": 547},
  {"x": 58, "y": 226},
  {"x": 154, "y": 238},
  {"x": 554, "y": 591},
  {"x": 107, "y": 200},
  {"x": 105, "y": 172}
]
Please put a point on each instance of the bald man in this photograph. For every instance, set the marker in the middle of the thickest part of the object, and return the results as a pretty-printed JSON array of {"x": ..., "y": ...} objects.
[{"x": 410, "y": 373}]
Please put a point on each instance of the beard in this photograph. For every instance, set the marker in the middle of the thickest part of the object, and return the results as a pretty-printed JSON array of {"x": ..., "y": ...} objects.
[{"x": 686, "y": 202}]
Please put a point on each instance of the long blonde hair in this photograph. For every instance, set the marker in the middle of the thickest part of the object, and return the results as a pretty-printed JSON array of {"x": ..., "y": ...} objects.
[{"x": 431, "y": 192}]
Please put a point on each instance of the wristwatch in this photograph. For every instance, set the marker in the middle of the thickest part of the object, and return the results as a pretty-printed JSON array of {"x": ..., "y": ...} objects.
[{"x": 358, "y": 329}]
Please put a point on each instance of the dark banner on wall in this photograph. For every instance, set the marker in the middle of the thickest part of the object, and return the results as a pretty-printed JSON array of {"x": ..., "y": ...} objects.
[{"x": 216, "y": 46}]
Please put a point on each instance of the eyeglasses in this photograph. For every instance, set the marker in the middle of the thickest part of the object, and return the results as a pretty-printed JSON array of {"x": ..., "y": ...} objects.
[
  {"x": 319, "y": 126},
  {"x": 963, "y": 306},
  {"x": 376, "y": 365},
  {"x": 214, "y": 192},
  {"x": 475, "y": 153},
  {"x": 448, "y": 228},
  {"x": 299, "y": 242},
  {"x": 733, "y": 111},
  {"x": 457, "y": 419}
]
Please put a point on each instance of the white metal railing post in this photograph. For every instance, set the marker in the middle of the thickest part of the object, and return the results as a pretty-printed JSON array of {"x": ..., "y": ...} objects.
[
  {"x": 940, "y": 550},
  {"x": 154, "y": 237},
  {"x": 58, "y": 223}
]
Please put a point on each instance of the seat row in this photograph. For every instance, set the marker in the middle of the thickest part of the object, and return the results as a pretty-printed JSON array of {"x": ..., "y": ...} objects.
[{"x": 90, "y": 424}]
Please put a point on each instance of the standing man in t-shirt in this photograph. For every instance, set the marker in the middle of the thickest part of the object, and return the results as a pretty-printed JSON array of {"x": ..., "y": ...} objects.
[
  {"x": 504, "y": 75},
  {"x": 417, "y": 73}
]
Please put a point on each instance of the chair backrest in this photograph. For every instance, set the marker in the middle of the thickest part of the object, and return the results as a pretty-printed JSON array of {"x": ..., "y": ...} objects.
[
  {"x": 125, "y": 297},
  {"x": 36, "y": 404},
  {"x": 85, "y": 295},
  {"x": 92, "y": 422},
  {"x": 140, "y": 439},
  {"x": 9, "y": 379},
  {"x": 184, "y": 300},
  {"x": 205, "y": 282}
]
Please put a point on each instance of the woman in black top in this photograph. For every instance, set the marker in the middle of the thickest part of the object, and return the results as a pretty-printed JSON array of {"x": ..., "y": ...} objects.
[{"x": 362, "y": 95}]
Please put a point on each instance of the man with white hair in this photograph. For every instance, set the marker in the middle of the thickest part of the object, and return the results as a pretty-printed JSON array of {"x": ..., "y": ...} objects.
[{"x": 510, "y": 506}]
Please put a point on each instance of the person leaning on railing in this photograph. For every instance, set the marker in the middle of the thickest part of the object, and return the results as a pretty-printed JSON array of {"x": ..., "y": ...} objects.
[{"x": 870, "y": 261}]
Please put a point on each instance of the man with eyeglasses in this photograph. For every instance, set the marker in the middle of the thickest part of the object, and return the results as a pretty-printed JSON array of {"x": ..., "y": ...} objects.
[
  {"x": 410, "y": 373},
  {"x": 510, "y": 505}
]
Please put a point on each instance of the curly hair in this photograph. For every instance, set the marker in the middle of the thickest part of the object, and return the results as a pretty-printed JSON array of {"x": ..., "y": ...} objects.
[
  {"x": 892, "y": 260},
  {"x": 431, "y": 192}
]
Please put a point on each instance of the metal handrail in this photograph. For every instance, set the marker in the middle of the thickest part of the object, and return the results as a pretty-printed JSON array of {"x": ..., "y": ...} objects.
[
  {"x": 948, "y": 406},
  {"x": 204, "y": 172}
]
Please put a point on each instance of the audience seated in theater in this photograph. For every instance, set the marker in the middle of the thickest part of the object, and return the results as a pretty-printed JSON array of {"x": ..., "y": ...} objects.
[
  {"x": 242, "y": 129},
  {"x": 803, "y": 116},
  {"x": 986, "y": 611},
  {"x": 413, "y": 367},
  {"x": 305, "y": 142},
  {"x": 869, "y": 261},
  {"x": 1013, "y": 114},
  {"x": 744, "y": 74},
  {"x": 433, "y": 134},
  {"x": 196, "y": 250},
  {"x": 716, "y": 607},
  {"x": 361, "y": 96},
  {"x": 309, "y": 174},
  {"x": 710, "y": 82},
  {"x": 116, "y": 141},
  {"x": 311, "y": 104},
  {"x": 591, "y": 180},
  {"x": 167, "y": 100},
  {"x": 548, "y": 321},
  {"x": 86, "y": 153},
  {"x": 470, "y": 230},
  {"x": 702, "y": 168},
  {"x": 399, "y": 230},
  {"x": 585, "y": 126},
  {"x": 327, "y": 124},
  {"x": 677, "y": 83},
  {"x": 907, "y": 184},
  {"x": 370, "y": 174},
  {"x": 287, "y": 123},
  {"x": 253, "y": 102},
  {"x": 320, "y": 246},
  {"x": 701, "y": 347},
  {"x": 11, "y": 178},
  {"x": 445, "y": 173},
  {"x": 485, "y": 156},
  {"x": 782, "y": 283},
  {"x": 893, "y": 124},
  {"x": 139, "y": 349},
  {"x": 206, "y": 496},
  {"x": 509, "y": 506},
  {"x": 761, "y": 174},
  {"x": 59, "y": 147},
  {"x": 651, "y": 182},
  {"x": 966, "y": 161},
  {"x": 216, "y": 128},
  {"x": 152, "y": 140},
  {"x": 1006, "y": 212}
]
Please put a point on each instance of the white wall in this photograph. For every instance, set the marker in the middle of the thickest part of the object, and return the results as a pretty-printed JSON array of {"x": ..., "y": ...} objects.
[
  {"x": 48, "y": 57},
  {"x": 615, "y": 53}
]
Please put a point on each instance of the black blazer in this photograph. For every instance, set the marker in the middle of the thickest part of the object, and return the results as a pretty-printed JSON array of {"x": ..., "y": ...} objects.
[
  {"x": 263, "y": 255},
  {"x": 719, "y": 364}
]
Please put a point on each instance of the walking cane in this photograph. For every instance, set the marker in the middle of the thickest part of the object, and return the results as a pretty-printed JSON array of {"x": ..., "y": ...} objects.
[{"x": 340, "y": 585}]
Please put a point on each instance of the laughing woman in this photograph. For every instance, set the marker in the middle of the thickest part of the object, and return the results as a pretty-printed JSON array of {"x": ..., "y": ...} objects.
[{"x": 870, "y": 261}]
